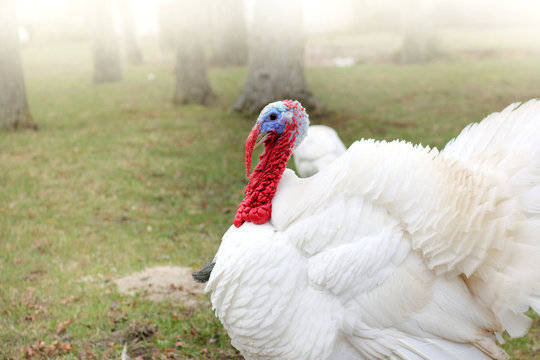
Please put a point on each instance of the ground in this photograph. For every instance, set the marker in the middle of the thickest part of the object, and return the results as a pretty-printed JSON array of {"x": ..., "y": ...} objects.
[
  {"x": 162, "y": 283},
  {"x": 117, "y": 180}
]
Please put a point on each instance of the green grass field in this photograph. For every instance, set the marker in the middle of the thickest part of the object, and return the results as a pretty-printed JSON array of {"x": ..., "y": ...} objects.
[{"x": 117, "y": 179}]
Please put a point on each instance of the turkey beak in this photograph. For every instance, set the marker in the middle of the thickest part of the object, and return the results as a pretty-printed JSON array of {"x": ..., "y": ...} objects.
[{"x": 261, "y": 139}]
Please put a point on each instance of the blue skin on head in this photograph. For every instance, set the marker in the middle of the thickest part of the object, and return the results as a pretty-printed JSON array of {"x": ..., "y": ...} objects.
[
  {"x": 275, "y": 116},
  {"x": 272, "y": 119}
]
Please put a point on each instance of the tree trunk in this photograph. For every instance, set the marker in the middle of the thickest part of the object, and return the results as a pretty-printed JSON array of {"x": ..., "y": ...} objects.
[
  {"x": 104, "y": 43},
  {"x": 276, "y": 57},
  {"x": 417, "y": 33},
  {"x": 229, "y": 33},
  {"x": 14, "y": 111},
  {"x": 133, "y": 53},
  {"x": 192, "y": 85}
]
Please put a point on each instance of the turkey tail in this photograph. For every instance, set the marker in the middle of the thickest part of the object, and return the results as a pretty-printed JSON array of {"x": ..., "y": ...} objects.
[
  {"x": 505, "y": 146},
  {"x": 203, "y": 274}
]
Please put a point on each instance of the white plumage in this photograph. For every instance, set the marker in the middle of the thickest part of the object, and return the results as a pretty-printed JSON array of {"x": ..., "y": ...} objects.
[
  {"x": 393, "y": 251},
  {"x": 321, "y": 146}
]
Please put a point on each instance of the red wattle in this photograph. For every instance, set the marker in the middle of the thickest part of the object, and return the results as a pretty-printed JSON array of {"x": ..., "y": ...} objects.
[{"x": 257, "y": 204}]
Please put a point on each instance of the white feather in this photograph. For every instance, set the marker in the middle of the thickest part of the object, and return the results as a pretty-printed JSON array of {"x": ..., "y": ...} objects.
[
  {"x": 393, "y": 251},
  {"x": 321, "y": 146}
]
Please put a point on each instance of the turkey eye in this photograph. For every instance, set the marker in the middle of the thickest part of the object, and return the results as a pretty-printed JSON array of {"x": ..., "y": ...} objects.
[{"x": 273, "y": 116}]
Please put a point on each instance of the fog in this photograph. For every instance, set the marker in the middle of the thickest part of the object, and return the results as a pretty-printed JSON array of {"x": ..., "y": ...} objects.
[
  {"x": 363, "y": 30},
  {"x": 123, "y": 129},
  {"x": 319, "y": 15}
]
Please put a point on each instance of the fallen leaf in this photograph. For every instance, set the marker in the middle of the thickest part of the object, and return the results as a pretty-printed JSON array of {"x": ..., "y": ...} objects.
[
  {"x": 62, "y": 327},
  {"x": 66, "y": 347},
  {"x": 226, "y": 210},
  {"x": 69, "y": 300},
  {"x": 28, "y": 318}
]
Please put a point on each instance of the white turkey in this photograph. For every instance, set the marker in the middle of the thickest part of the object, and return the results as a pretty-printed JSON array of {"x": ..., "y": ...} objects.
[
  {"x": 321, "y": 146},
  {"x": 393, "y": 251}
]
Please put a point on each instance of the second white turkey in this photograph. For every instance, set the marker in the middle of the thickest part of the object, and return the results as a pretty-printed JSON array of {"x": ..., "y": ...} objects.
[{"x": 321, "y": 146}]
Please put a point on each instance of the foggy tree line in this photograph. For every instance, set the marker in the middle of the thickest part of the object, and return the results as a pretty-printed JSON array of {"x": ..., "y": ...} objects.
[
  {"x": 275, "y": 53},
  {"x": 273, "y": 49},
  {"x": 14, "y": 111}
]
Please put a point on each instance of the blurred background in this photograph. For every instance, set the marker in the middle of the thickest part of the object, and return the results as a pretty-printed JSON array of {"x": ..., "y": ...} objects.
[{"x": 123, "y": 124}]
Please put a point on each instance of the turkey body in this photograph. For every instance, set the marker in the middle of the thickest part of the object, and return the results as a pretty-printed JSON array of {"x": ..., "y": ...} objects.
[
  {"x": 393, "y": 251},
  {"x": 321, "y": 146}
]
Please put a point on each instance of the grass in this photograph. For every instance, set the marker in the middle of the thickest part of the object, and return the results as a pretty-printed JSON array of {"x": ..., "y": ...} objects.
[{"x": 118, "y": 179}]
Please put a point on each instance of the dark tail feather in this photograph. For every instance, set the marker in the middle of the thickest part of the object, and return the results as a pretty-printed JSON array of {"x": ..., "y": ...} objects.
[{"x": 203, "y": 275}]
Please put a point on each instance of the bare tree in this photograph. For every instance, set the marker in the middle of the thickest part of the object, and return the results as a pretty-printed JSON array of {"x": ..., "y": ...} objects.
[
  {"x": 14, "y": 111},
  {"x": 418, "y": 43},
  {"x": 276, "y": 57},
  {"x": 192, "y": 85},
  {"x": 133, "y": 53},
  {"x": 229, "y": 33},
  {"x": 104, "y": 42}
]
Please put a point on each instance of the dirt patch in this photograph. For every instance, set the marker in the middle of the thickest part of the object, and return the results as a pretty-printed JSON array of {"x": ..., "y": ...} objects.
[{"x": 161, "y": 283}]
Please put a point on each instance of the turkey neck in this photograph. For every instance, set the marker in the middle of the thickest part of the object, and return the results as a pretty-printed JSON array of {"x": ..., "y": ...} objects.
[{"x": 257, "y": 204}]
